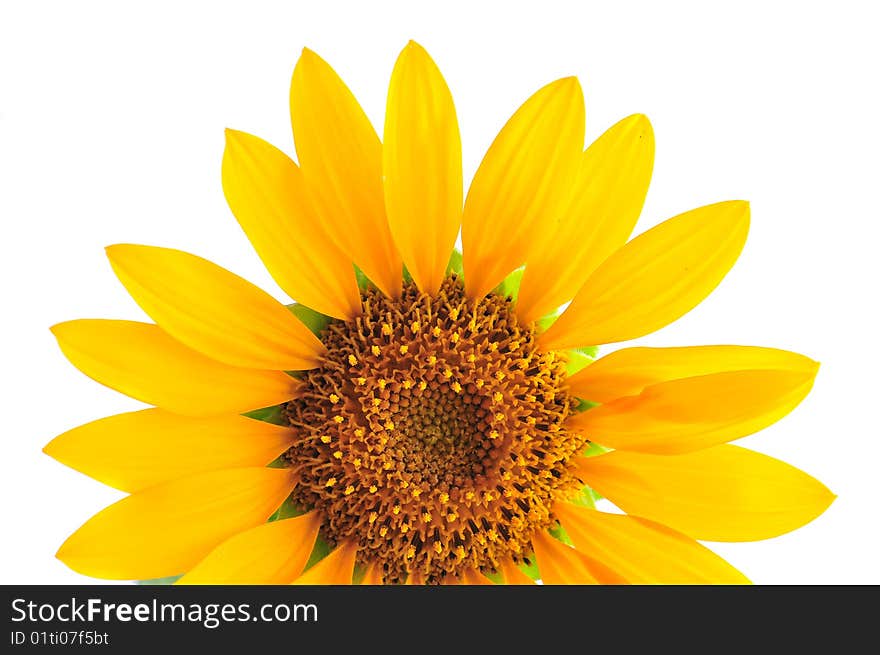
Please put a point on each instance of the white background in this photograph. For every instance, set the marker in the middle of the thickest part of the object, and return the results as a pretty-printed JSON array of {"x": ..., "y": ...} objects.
[{"x": 111, "y": 130}]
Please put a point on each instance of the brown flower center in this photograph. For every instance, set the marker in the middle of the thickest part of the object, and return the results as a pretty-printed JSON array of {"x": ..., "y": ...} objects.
[{"x": 432, "y": 433}]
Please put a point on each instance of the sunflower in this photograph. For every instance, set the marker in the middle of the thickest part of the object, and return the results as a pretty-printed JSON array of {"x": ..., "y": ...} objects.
[{"x": 422, "y": 415}]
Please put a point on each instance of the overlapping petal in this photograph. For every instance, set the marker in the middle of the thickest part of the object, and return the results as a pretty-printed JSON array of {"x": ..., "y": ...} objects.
[
  {"x": 272, "y": 553},
  {"x": 641, "y": 551},
  {"x": 335, "y": 569},
  {"x": 559, "y": 563},
  {"x": 654, "y": 279},
  {"x": 341, "y": 158},
  {"x": 269, "y": 197},
  {"x": 522, "y": 184},
  {"x": 726, "y": 493},
  {"x": 513, "y": 575},
  {"x": 628, "y": 371},
  {"x": 166, "y": 529},
  {"x": 214, "y": 311},
  {"x": 605, "y": 203},
  {"x": 136, "y": 450},
  {"x": 469, "y": 577},
  {"x": 373, "y": 575},
  {"x": 681, "y": 416},
  {"x": 142, "y": 361},
  {"x": 422, "y": 166}
]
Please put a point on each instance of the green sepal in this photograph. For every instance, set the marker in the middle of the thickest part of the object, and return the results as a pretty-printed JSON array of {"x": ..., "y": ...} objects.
[
  {"x": 171, "y": 579},
  {"x": 580, "y": 358},
  {"x": 576, "y": 361},
  {"x": 546, "y": 321},
  {"x": 558, "y": 532},
  {"x": 509, "y": 287},
  {"x": 495, "y": 576},
  {"x": 273, "y": 414},
  {"x": 287, "y": 510},
  {"x": 315, "y": 321},
  {"x": 589, "y": 351},
  {"x": 594, "y": 449},
  {"x": 530, "y": 569},
  {"x": 584, "y": 405},
  {"x": 586, "y": 497},
  {"x": 319, "y": 552},
  {"x": 360, "y": 570},
  {"x": 363, "y": 281},
  {"x": 455, "y": 265}
]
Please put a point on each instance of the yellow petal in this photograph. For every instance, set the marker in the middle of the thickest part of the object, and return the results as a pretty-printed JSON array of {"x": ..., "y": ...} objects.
[
  {"x": 684, "y": 415},
  {"x": 628, "y": 371},
  {"x": 214, "y": 311},
  {"x": 513, "y": 575},
  {"x": 608, "y": 195},
  {"x": 335, "y": 569},
  {"x": 559, "y": 563},
  {"x": 641, "y": 551},
  {"x": 142, "y": 361},
  {"x": 136, "y": 450},
  {"x": 166, "y": 529},
  {"x": 341, "y": 157},
  {"x": 474, "y": 577},
  {"x": 726, "y": 493},
  {"x": 272, "y": 553},
  {"x": 422, "y": 165},
  {"x": 654, "y": 279},
  {"x": 522, "y": 184},
  {"x": 415, "y": 578},
  {"x": 467, "y": 577},
  {"x": 268, "y": 195},
  {"x": 373, "y": 575}
]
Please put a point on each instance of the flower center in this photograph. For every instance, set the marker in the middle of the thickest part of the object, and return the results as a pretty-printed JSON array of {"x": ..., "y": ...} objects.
[{"x": 432, "y": 433}]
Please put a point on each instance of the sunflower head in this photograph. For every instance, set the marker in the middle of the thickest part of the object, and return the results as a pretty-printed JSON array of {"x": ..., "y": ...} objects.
[{"x": 421, "y": 414}]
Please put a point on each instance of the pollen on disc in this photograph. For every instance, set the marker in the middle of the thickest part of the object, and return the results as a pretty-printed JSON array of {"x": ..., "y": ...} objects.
[{"x": 432, "y": 434}]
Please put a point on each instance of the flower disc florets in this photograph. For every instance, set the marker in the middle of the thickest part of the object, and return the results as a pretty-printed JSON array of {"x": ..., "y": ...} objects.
[{"x": 432, "y": 433}]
